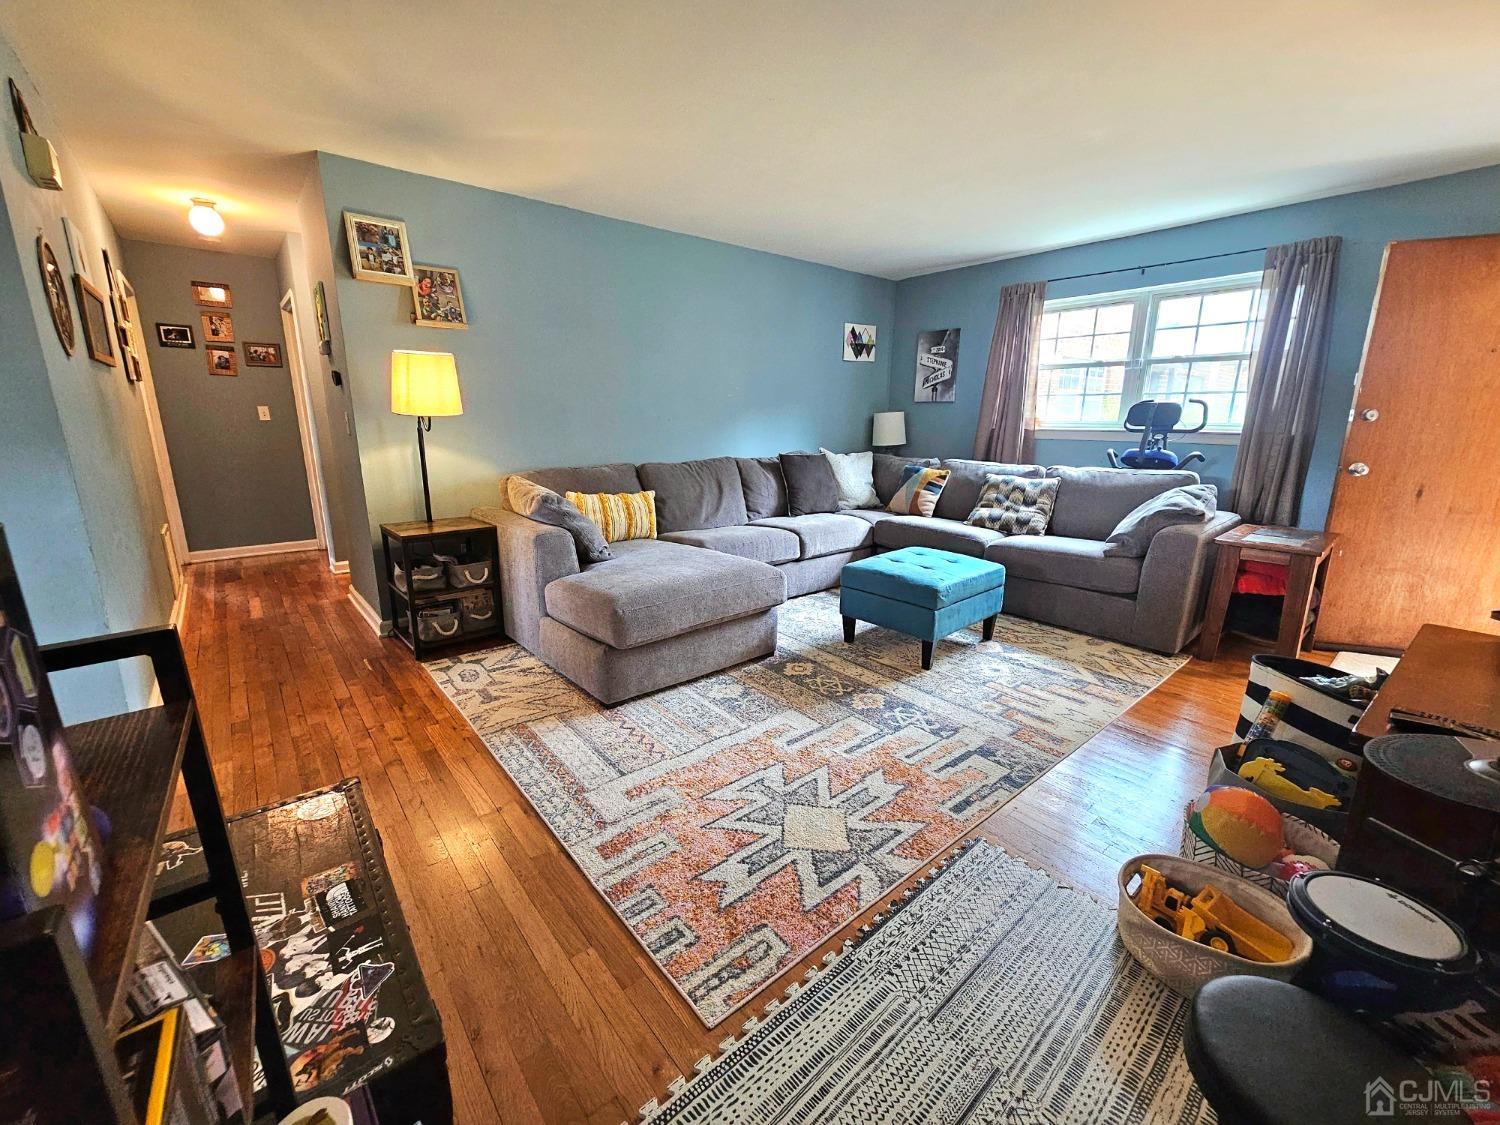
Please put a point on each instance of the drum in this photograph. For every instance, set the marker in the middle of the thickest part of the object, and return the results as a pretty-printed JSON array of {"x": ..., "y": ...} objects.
[{"x": 1379, "y": 950}]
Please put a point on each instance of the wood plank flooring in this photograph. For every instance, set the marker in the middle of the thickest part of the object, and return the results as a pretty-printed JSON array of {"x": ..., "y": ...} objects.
[{"x": 551, "y": 1010}]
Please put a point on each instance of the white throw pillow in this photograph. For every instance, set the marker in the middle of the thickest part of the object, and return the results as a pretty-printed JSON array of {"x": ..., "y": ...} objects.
[{"x": 855, "y": 473}]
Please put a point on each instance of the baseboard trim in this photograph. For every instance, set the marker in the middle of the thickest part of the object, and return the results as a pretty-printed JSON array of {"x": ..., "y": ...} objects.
[
  {"x": 253, "y": 551},
  {"x": 179, "y": 606},
  {"x": 339, "y": 566},
  {"x": 368, "y": 612}
]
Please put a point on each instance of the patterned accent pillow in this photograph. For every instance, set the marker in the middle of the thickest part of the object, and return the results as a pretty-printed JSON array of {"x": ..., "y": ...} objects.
[
  {"x": 1015, "y": 505},
  {"x": 620, "y": 515},
  {"x": 918, "y": 493}
]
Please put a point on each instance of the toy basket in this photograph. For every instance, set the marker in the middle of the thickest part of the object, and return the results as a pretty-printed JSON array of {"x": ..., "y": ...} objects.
[
  {"x": 1301, "y": 837},
  {"x": 1333, "y": 822},
  {"x": 1314, "y": 719}
]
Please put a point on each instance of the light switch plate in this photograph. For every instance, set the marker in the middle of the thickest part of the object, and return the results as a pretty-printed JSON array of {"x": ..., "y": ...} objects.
[{"x": 264, "y": 412}]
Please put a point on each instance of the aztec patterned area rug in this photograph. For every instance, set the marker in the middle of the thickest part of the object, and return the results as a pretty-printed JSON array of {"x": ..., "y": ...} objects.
[
  {"x": 990, "y": 995},
  {"x": 737, "y": 821}
]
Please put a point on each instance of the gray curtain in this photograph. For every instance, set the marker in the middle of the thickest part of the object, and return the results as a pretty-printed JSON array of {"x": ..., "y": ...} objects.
[
  {"x": 1008, "y": 379},
  {"x": 1286, "y": 381}
]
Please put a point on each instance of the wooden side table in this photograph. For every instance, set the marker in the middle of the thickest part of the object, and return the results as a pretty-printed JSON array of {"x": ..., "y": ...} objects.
[
  {"x": 1305, "y": 554},
  {"x": 469, "y": 540}
]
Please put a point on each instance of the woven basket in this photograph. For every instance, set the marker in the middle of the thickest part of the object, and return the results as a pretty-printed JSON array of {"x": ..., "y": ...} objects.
[{"x": 1301, "y": 837}]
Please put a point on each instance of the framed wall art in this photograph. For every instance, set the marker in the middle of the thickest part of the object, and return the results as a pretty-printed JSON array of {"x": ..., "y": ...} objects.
[
  {"x": 320, "y": 311},
  {"x": 93, "y": 310},
  {"x": 937, "y": 366},
  {"x": 175, "y": 335},
  {"x": 212, "y": 295},
  {"x": 378, "y": 249},
  {"x": 78, "y": 250},
  {"x": 262, "y": 355},
  {"x": 859, "y": 343},
  {"x": 218, "y": 328},
  {"x": 221, "y": 360},
  {"x": 57, "y": 294},
  {"x": 437, "y": 299}
]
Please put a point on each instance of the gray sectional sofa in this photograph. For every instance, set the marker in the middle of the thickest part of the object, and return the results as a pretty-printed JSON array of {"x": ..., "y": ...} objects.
[{"x": 703, "y": 595}]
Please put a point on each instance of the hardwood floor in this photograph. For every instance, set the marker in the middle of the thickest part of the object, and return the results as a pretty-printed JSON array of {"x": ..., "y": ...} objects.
[{"x": 551, "y": 1010}]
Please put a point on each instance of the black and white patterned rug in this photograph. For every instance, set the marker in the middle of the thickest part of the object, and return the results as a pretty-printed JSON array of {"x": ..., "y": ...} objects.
[{"x": 993, "y": 994}]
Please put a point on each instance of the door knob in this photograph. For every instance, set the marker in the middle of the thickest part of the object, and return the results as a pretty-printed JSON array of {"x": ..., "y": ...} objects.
[
  {"x": 1369, "y": 415},
  {"x": 1358, "y": 469}
]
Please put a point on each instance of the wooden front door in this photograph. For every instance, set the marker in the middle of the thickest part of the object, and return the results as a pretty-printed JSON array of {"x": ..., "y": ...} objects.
[{"x": 1417, "y": 500}]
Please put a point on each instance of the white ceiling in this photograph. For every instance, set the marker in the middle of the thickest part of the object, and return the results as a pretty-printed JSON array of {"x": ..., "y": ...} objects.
[{"x": 882, "y": 136}]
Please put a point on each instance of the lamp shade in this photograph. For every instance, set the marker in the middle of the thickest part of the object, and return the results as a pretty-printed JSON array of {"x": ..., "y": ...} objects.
[
  {"x": 425, "y": 384},
  {"x": 889, "y": 428}
]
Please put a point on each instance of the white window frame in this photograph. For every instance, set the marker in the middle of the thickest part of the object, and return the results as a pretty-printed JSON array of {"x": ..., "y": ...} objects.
[{"x": 1147, "y": 301}]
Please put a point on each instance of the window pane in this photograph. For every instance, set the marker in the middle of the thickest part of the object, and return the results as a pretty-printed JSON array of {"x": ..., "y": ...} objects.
[
  {"x": 1220, "y": 376},
  {"x": 1218, "y": 409},
  {"x": 1049, "y": 324},
  {"x": 1174, "y": 341},
  {"x": 1114, "y": 346},
  {"x": 1115, "y": 318},
  {"x": 1101, "y": 408},
  {"x": 1223, "y": 308},
  {"x": 1216, "y": 338},
  {"x": 1175, "y": 312},
  {"x": 1076, "y": 322}
]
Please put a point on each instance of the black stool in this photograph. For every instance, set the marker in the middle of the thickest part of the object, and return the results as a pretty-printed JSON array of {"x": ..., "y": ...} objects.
[{"x": 1268, "y": 1053}]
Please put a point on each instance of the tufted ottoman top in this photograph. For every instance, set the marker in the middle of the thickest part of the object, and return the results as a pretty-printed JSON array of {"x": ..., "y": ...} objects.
[{"x": 922, "y": 576}]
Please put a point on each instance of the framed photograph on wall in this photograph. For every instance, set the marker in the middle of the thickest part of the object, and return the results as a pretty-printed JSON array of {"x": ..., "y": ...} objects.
[
  {"x": 78, "y": 250},
  {"x": 175, "y": 335},
  {"x": 937, "y": 366},
  {"x": 212, "y": 295},
  {"x": 859, "y": 343},
  {"x": 262, "y": 355},
  {"x": 221, "y": 360},
  {"x": 218, "y": 328},
  {"x": 94, "y": 312},
  {"x": 57, "y": 294},
  {"x": 378, "y": 249},
  {"x": 320, "y": 311},
  {"x": 437, "y": 299}
]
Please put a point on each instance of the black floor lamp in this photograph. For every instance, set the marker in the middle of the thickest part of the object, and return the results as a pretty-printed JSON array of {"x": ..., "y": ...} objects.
[{"x": 424, "y": 385}]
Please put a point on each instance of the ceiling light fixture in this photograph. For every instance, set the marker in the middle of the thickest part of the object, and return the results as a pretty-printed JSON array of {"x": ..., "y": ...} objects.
[{"x": 205, "y": 219}]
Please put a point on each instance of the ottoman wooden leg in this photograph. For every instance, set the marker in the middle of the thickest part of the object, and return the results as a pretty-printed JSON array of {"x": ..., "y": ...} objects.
[
  {"x": 927, "y": 656},
  {"x": 848, "y": 630},
  {"x": 989, "y": 627}
]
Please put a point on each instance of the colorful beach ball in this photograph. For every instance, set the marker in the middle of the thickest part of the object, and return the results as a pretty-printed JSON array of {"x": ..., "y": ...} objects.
[{"x": 1239, "y": 823}]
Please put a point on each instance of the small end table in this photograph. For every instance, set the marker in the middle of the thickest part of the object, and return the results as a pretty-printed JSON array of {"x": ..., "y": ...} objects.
[
  {"x": 470, "y": 540},
  {"x": 1305, "y": 554}
]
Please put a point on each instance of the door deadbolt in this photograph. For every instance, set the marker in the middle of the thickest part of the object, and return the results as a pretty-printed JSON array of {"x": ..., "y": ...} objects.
[
  {"x": 1369, "y": 415},
  {"x": 1358, "y": 469}
]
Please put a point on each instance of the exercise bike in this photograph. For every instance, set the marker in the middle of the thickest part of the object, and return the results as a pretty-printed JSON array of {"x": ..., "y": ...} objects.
[{"x": 1156, "y": 422}]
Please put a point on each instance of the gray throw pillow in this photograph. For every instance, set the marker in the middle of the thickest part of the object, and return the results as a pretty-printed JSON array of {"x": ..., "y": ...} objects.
[
  {"x": 1191, "y": 503},
  {"x": 545, "y": 506},
  {"x": 810, "y": 484}
]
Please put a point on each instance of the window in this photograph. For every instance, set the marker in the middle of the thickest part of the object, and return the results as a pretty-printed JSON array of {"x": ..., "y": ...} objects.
[{"x": 1101, "y": 353}]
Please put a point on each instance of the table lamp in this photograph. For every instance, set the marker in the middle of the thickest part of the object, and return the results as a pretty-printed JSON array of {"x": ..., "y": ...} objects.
[
  {"x": 424, "y": 385},
  {"x": 889, "y": 429}
]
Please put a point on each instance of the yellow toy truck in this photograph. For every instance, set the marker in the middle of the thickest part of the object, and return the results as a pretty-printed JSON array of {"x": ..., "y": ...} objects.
[{"x": 1209, "y": 918}]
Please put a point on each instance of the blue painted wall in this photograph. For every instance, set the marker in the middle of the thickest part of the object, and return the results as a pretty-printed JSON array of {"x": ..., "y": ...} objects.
[
  {"x": 1465, "y": 203},
  {"x": 591, "y": 340},
  {"x": 78, "y": 489}
]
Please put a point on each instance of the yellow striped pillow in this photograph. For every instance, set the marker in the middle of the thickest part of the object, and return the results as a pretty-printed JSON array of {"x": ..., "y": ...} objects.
[{"x": 620, "y": 515}]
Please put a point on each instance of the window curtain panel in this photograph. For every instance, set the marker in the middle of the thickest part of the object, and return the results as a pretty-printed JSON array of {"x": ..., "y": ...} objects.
[
  {"x": 1286, "y": 381},
  {"x": 1005, "y": 409}
]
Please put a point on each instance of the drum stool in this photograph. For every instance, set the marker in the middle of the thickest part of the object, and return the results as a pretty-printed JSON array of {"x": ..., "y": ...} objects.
[{"x": 1267, "y": 1052}]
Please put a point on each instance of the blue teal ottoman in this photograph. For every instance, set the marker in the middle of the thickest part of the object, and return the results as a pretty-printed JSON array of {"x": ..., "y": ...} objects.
[{"x": 923, "y": 593}]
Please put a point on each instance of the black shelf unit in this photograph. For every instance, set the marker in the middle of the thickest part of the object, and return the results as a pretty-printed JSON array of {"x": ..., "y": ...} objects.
[
  {"x": 405, "y": 544},
  {"x": 128, "y": 767}
]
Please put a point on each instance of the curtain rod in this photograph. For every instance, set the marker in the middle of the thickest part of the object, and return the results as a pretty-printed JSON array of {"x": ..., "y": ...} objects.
[{"x": 1158, "y": 265}]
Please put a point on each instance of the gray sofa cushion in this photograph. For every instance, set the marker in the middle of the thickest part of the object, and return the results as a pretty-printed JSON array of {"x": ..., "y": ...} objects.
[
  {"x": 824, "y": 533},
  {"x": 617, "y": 477},
  {"x": 966, "y": 480},
  {"x": 1090, "y": 502},
  {"x": 1192, "y": 503},
  {"x": 1063, "y": 561},
  {"x": 942, "y": 535},
  {"x": 695, "y": 494},
  {"x": 888, "y": 473},
  {"x": 811, "y": 487},
  {"x": 654, "y": 590},
  {"x": 529, "y": 499},
  {"x": 869, "y": 515},
  {"x": 765, "y": 491},
  {"x": 763, "y": 544}
]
